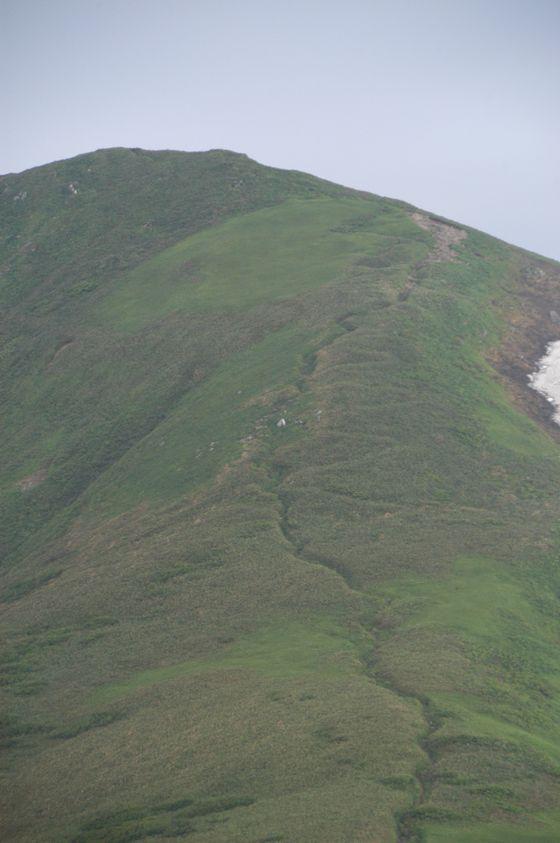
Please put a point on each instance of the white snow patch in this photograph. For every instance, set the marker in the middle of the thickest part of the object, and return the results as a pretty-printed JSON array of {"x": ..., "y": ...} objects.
[{"x": 546, "y": 379}]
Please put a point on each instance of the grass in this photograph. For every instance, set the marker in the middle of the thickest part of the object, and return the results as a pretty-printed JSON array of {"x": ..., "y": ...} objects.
[
  {"x": 172, "y": 818},
  {"x": 478, "y": 597},
  {"x": 543, "y": 829},
  {"x": 282, "y": 652},
  {"x": 271, "y": 254},
  {"x": 211, "y": 426},
  {"x": 343, "y": 629}
]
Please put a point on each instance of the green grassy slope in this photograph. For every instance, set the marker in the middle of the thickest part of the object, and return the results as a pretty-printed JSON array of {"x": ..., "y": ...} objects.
[{"x": 219, "y": 629}]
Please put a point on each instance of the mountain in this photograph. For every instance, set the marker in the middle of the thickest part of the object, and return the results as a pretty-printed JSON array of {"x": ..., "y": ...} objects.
[{"x": 279, "y": 512}]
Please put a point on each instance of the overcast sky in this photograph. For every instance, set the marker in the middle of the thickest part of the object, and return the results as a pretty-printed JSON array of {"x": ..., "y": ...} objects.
[{"x": 453, "y": 105}]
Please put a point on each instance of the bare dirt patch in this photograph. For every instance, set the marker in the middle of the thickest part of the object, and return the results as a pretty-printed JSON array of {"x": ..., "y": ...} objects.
[
  {"x": 32, "y": 480},
  {"x": 446, "y": 237},
  {"x": 533, "y": 326},
  {"x": 533, "y": 316}
]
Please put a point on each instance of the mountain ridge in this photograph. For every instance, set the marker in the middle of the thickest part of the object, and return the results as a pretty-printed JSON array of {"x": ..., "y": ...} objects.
[
  {"x": 243, "y": 155},
  {"x": 218, "y": 626}
]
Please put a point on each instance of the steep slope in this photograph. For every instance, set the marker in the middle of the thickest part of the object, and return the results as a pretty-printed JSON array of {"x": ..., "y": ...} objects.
[{"x": 279, "y": 512}]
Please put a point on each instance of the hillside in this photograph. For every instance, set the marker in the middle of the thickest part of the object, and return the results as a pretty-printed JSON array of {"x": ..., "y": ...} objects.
[{"x": 279, "y": 513}]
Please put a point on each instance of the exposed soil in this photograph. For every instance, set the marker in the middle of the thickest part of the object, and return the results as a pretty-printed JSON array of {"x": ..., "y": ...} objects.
[
  {"x": 32, "y": 480},
  {"x": 446, "y": 236},
  {"x": 533, "y": 325}
]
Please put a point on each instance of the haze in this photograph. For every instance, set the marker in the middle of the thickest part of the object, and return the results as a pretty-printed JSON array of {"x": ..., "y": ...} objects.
[{"x": 452, "y": 106}]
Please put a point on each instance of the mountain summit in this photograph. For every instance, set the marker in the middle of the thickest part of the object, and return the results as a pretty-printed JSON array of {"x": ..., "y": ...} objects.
[{"x": 279, "y": 512}]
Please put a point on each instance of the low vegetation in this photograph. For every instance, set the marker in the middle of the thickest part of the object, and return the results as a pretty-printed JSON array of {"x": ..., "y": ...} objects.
[{"x": 221, "y": 627}]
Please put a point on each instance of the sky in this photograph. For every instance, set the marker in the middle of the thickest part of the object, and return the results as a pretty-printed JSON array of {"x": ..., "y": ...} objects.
[{"x": 452, "y": 105}]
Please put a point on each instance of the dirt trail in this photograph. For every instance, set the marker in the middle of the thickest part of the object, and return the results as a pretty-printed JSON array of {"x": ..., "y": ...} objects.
[{"x": 446, "y": 237}]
